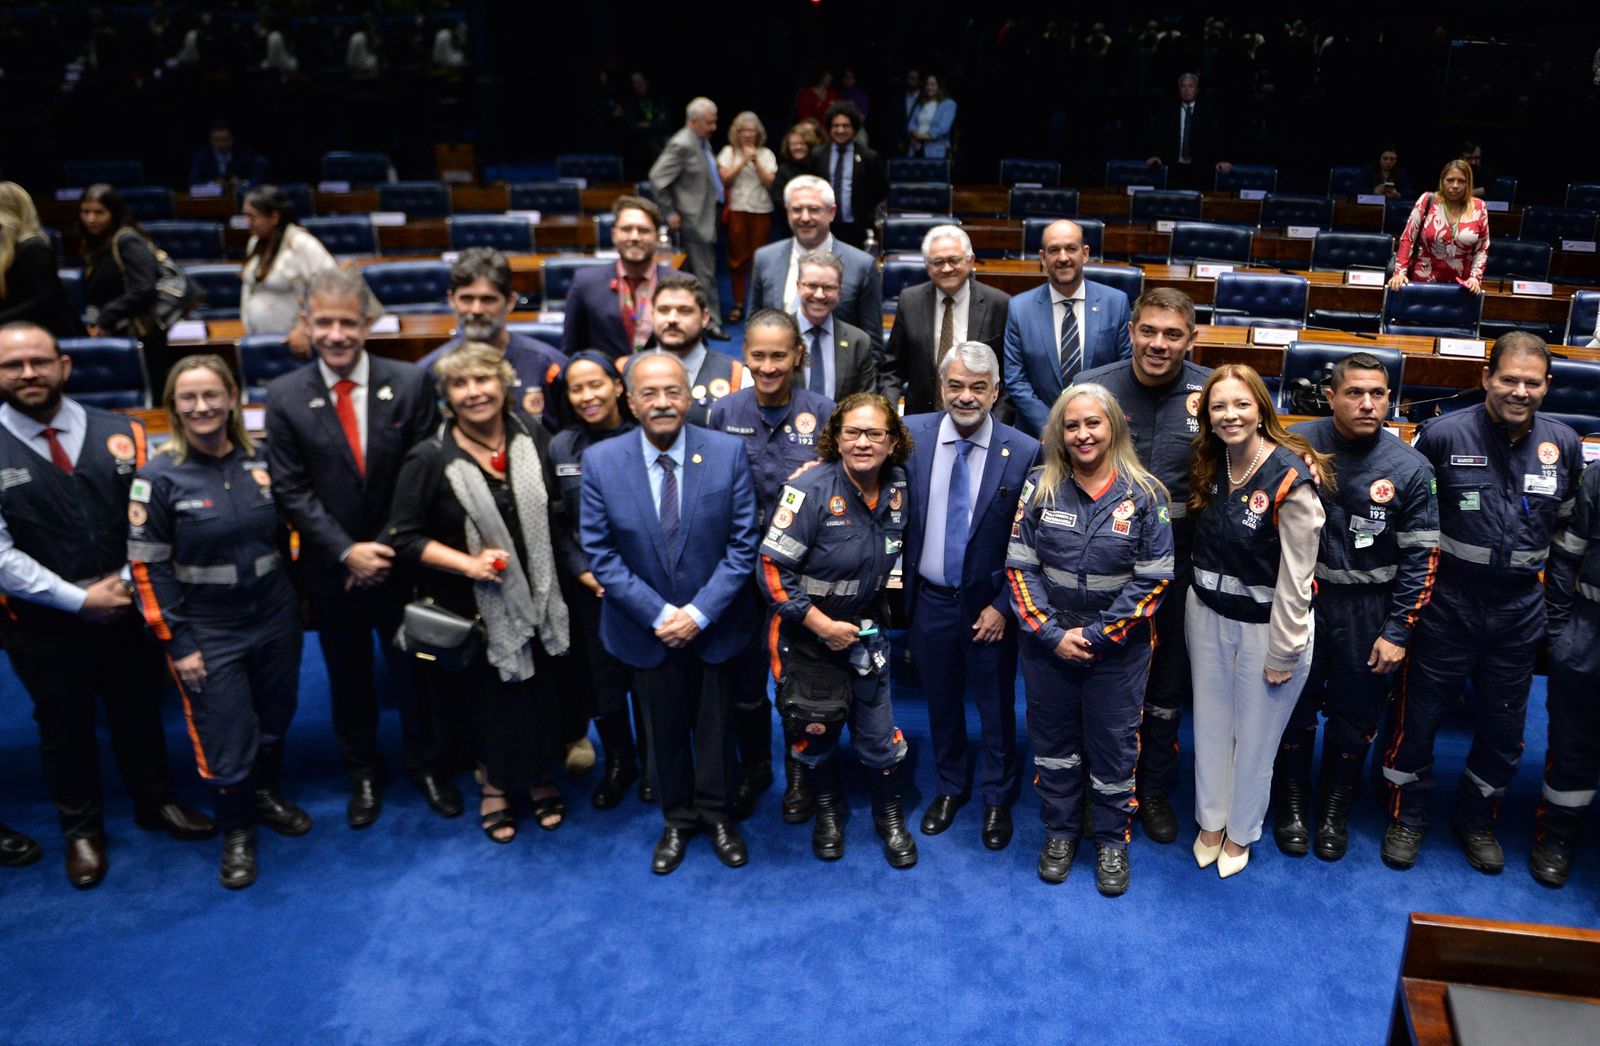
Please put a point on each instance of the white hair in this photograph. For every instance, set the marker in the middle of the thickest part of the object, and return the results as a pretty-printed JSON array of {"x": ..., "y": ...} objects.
[
  {"x": 975, "y": 356},
  {"x": 946, "y": 232},
  {"x": 812, "y": 182},
  {"x": 700, "y": 107}
]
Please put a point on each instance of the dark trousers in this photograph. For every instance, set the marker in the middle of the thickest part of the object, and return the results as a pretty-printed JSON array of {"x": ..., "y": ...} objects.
[
  {"x": 1476, "y": 630},
  {"x": 951, "y": 665},
  {"x": 688, "y": 711},
  {"x": 599, "y": 683},
  {"x": 346, "y": 622},
  {"x": 700, "y": 258},
  {"x": 1573, "y": 764},
  {"x": 1167, "y": 691},
  {"x": 65, "y": 664},
  {"x": 750, "y": 672}
]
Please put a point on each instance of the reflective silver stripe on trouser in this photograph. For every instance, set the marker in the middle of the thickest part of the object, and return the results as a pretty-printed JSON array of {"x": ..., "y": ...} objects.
[
  {"x": 1529, "y": 557},
  {"x": 1571, "y": 800},
  {"x": 1022, "y": 553},
  {"x": 1111, "y": 787},
  {"x": 1400, "y": 777},
  {"x": 1484, "y": 788},
  {"x": 1047, "y": 763},
  {"x": 1462, "y": 550},
  {"x": 815, "y": 586},
  {"x": 266, "y": 564},
  {"x": 1564, "y": 510},
  {"x": 149, "y": 551},
  {"x": 1163, "y": 565},
  {"x": 1569, "y": 542},
  {"x": 1177, "y": 510},
  {"x": 1231, "y": 586},
  {"x": 1417, "y": 538},
  {"x": 1589, "y": 592},
  {"x": 223, "y": 575},
  {"x": 1357, "y": 577}
]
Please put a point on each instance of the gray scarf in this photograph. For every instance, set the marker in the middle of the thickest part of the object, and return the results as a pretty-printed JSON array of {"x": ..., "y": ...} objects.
[{"x": 527, "y": 601}]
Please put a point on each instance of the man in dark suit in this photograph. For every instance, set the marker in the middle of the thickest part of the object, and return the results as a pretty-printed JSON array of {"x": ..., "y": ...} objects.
[
  {"x": 1055, "y": 332},
  {"x": 222, "y": 161},
  {"x": 686, "y": 181},
  {"x": 669, "y": 529},
  {"x": 608, "y": 307},
  {"x": 1187, "y": 136},
  {"x": 838, "y": 356},
  {"x": 856, "y": 173},
  {"x": 965, "y": 475},
  {"x": 337, "y": 430},
  {"x": 922, "y": 337}
]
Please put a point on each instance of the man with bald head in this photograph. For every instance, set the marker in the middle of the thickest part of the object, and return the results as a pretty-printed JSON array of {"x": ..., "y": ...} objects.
[{"x": 1057, "y": 331}]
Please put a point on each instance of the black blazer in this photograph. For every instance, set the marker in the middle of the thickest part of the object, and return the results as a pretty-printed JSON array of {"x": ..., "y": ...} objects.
[
  {"x": 869, "y": 182},
  {"x": 909, "y": 358},
  {"x": 1205, "y": 136},
  {"x": 314, "y": 476},
  {"x": 34, "y": 292}
]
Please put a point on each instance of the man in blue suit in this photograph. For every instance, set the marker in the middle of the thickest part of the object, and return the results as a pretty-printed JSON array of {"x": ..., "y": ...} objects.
[
  {"x": 1056, "y": 331},
  {"x": 608, "y": 306},
  {"x": 669, "y": 529},
  {"x": 966, "y": 475}
]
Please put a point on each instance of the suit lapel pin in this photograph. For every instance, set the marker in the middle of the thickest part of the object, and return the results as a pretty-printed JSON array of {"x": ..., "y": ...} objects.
[
  {"x": 317, "y": 404},
  {"x": 843, "y": 344},
  {"x": 1005, "y": 452},
  {"x": 385, "y": 393},
  {"x": 697, "y": 459},
  {"x": 1094, "y": 308}
]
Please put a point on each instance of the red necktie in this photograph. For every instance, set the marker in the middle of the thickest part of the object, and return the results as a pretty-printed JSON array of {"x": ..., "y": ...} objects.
[
  {"x": 58, "y": 453},
  {"x": 346, "y": 410}
]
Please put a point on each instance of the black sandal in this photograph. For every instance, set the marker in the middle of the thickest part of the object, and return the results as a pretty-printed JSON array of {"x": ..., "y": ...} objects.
[
  {"x": 551, "y": 805},
  {"x": 497, "y": 820}
]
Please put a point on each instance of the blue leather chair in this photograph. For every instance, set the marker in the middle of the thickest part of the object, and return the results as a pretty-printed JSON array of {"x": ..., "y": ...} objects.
[
  {"x": 898, "y": 274},
  {"x": 1582, "y": 317},
  {"x": 1311, "y": 361},
  {"x": 1347, "y": 181},
  {"x": 1248, "y": 176},
  {"x": 644, "y": 190},
  {"x": 503, "y": 232},
  {"x": 549, "y": 333},
  {"x": 1280, "y": 212},
  {"x": 1395, "y": 215},
  {"x": 1249, "y": 299},
  {"x": 904, "y": 235},
  {"x": 932, "y": 197},
  {"x": 603, "y": 224},
  {"x": 1043, "y": 172},
  {"x": 416, "y": 199},
  {"x": 1206, "y": 241},
  {"x": 1574, "y": 395},
  {"x": 1337, "y": 251},
  {"x": 1151, "y": 205},
  {"x": 357, "y": 168},
  {"x": 1120, "y": 173},
  {"x": 1583, "y": 196},
  {"x": 1055, "y": 203},
  {"x": 410, "y": 286},
  {"x": 72, "y": 283},
  {"x": 299, "y": 194},
  {"x": 1554, "y": 224},
  {"x": 1517, "y": 259},
  {"x": 556, "y": 278},
  {"x": 1432, "y": 310},
  {"x": 120, "y": 173},
  {"x": 1094, "y": 235},
  {"x": 186, "y": 240},
  {"x": 344, "y": 234},
  {"x": 263, "y": 357},
  {"x": 107, "y": 372},
  {"x": 1128, "y": 279},
  {"x": 222, "y": 289},
  {"x": 148, "y": 203},
  {"x": 918, "y": 169},
  {"x": 547, "y": 197},
  {"x": 595, "y": 167},
  {"x": 1504, "y": 188}
]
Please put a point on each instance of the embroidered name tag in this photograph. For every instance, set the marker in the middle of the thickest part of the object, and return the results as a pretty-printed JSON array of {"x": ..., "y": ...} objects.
[
  {"x": 1059, "y": 519},
  {"x": 569, "y": 470},
  {"x": 14, "y": 478},
  {"x": 1476, "y": 461}
]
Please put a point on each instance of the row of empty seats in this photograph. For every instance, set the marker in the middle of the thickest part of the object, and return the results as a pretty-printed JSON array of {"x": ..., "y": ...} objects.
[{"x": 353, "y": 168}]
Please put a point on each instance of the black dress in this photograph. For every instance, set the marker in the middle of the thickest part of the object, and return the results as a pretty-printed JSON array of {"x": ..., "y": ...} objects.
[{"x": 34, "y": 293}]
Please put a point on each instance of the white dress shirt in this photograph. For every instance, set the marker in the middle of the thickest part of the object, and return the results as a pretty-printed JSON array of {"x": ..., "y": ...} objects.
[
  {"x": 358, "y": 395},
  {"x": 931, "y": 568},
  {"x": 791, "y": 292},
  {"x": 21, "y": 575},
  {"x": 847, "y": 182},
  {"x": 830, "y": 355},
  {"x": 1058, "y": 303},
  {"x": 958, "y": 315}
]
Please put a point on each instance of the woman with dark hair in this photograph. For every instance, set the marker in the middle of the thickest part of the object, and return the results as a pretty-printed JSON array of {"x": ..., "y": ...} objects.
[
  {"x": 477, "y": 507},
  {"x": 794, "y": 159},
  {"x": 1446, "y": 239},
  {"x": 932, "y": 118},
  {"x": 1387, "y": 177},
  {"x": 30, "y": 286},
  {"x": 119, "y": 277},
  {"x": 280, "y": 260},
  {"x": 834, "y": 538},
  {"x": 1248, "y": 622}
]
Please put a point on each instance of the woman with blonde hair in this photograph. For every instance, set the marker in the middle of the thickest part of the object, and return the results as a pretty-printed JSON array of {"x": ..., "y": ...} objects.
[
  {"x": 1446, "y": 239},
  {"x": 1248, "y": 621},
  {"x": 1090, "y": 557},
  {"x": 30, "y": 281},
  {"x": 748, "y": 170}
]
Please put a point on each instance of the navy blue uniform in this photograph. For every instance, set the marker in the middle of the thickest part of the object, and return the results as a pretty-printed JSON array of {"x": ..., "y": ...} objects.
[
  {"x": 1101, "y": 562},
  {"x": 1500, "y": 503},
  {"x": 203, "y": 541},
  {"x": 1376, "y": 563},
  {"x": 539, "y": 390},
  {"x": 1163, "y": 422}
]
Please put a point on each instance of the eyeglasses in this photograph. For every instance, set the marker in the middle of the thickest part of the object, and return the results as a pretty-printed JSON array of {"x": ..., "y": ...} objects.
[
  {"x": 820, "y": 288},
  {"x": 11, "y": 368},
  {"x": 954, "y": 262},
  {"x": 850, "y": 434},
  {"x": 209, "y": 398}
]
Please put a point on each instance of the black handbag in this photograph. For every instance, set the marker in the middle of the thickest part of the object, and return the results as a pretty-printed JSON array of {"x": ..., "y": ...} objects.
[
  {"x": 177, "y": 294},
  {"x": 439, "y": 637}
]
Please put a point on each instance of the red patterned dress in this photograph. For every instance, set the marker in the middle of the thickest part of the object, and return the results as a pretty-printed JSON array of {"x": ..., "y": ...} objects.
[{"x": 1434, "y": 251}]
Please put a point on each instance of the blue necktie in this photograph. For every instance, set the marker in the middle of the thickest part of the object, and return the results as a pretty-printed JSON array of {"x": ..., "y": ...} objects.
[
  {"x": 1071, "y": 351},
  {"x": 955, "y": 515},
  {"x": 818, "y": 382},
  {"x": 669, "y": 503},
  {"x": 716, "y": 175}
]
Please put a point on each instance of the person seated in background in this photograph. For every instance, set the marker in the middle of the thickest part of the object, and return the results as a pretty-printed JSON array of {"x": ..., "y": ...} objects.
[
  {"x": 1483, "y": 176},
  {"x": 609, "y": 308},
  {"x": 1387, "y": 176},
  {"x": 280, "y": 260},
  {"x": 224, "y": 162},
  {"x": 30, "y": 284},
  {"x": 1446, "y": 239}
]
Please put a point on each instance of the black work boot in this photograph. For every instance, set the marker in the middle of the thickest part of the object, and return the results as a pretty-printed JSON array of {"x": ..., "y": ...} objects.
[
  {"x": 827, "y": 833},
  {"x": 1291, "y": 780},
  {"x": 1549, "y": 860},
  {"x": 236, "y": 817},
  {"x": 1159, "y": 820},
  {"x": 1333, "y": 820},
  {"x": 1400, "y": 845},
  {"x": 899, "y": 848},
  {"x": 797, "y": 795},
  {"x": 272, "y": 810}
]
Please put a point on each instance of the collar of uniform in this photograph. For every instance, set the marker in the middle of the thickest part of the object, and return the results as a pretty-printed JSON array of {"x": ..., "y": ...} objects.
[
  {"x": 359, "y": 375},
  {"x": 70, "y": 417},
  {"x": 1081, "y": 294},
  {"x": 1502, "y": 430},
  {"x": 675, "y": 452},
  {"x": 981, "y": 438},
  {"x": 1096, "y": 495}
]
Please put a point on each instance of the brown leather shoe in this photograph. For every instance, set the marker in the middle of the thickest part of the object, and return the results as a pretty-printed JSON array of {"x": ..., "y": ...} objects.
[
  {"x": 177, "y": 820},
  {"x": 86, "y": 861}
]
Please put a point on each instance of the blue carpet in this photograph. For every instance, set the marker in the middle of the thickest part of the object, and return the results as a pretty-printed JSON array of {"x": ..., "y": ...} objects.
[{"x": 420, "y": 930}]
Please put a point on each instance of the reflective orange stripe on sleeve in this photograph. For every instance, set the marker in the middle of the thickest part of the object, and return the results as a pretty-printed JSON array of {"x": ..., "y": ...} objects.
[
  {"x": 1146, "y": 608},
  {"x": 1031, "y": 614},
  {"x": 139, "y": 453},
  {"x": 772, "y": 581},
  {"x": 148, "y": 603}
]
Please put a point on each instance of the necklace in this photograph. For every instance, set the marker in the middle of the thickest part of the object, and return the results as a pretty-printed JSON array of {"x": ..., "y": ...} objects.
[
  {"x": 497, "y": 455},
  {"x": 1227, "y": 463}
]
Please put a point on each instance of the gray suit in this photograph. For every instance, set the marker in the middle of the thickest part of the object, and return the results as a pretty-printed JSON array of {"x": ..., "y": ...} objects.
[
  {"x": 860, "y": 297},
  {"x": 681, "y": 179},
  {"x": 854, "y": 368},
  {"x": 910, "y": 368}
]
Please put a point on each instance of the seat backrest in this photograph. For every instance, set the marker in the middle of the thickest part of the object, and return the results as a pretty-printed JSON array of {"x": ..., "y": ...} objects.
[
  {"x": 1043, "y": 172},
  {"x": 263, "y": 357},
  {"x": 299, "y": 194},
  {"x": 901, "y": 234},
  {"x": 1520, "y": 259},
  {"x": 503, "y": 232},
  {"x": 900, "y": 273},
  {"x": 645, "y": 191},
  {"x": 1504, "y": 188},
  {"x": 1206, "y": 241},
  {"x": 222, "y": 288},
  {"x": 595, "y": 167},
  {"x": 547, "y": 197},
  {"x": 120, "y": 173},
  {"x": 1574, "y": 395},
  {"x": 1128, "y": 279},
  {"x": 549, "y": 333},
  {"x": 409, "y": 283},
  {"x": 1347, "y": 181},
  {"x": 1337, "y": 251},
  {"x": 1120, "y": 173},
  {"x": 1055, "y": 202},
  {"x": 556, "y": 275},
  {"x": 1582, "y": 317},
  {"x": 604, "y": 223},
  {"x": 1583, "y": 196},
  {"x": 72, "y": 283},
  {"x": 416, "y": 199},
  {"x": 933, "y": 197},
  {"x": 1280, "y": 212},
  {"x": 1094, "y": 234},
  {"x": 148, "y": 203},
  {"x": 1395, "y": 215},
  {"x": 1151, "y": 205},
  {"x": 107, "y": 372},
  {"x": 1554, "y": 224},
  {"x": 918, "y": 169},
  {"x": 357, "y": 168},
  {"x": 1312, "y": 361},
  {"x": 187, "y": 240},
  {"x": 1431, "y": 309},
  {"x": 344, "y": 234},
  {"x": 1262, "y": 299},
  {"x": 1248, "y": 176}
]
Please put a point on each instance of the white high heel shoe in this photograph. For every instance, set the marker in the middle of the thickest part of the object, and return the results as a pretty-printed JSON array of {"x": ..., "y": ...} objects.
[
  {"x": 1227, "y": 864},
  {"x": 1205, "y": 856}
]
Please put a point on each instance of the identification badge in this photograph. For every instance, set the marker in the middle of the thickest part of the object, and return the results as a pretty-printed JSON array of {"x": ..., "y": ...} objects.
[
  {"x": 1364, "y": 540},
  {"x": 1535, "y": 484},
  {"x": 569, "y": 470},
  {"x": 891, "y": 546},
  {"x": 1469, "y": 501},
  {"x": 1363, "y": 525},
  {"x": 1475, "y": 461},
  {"x": 1058, "y": 519}
]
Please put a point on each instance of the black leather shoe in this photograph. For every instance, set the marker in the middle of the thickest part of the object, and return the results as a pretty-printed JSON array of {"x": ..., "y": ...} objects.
[
  {"x": 647, "y": 791},
  {"x": 728, "y": 844},
  {"x": 1400, "y": 846},
  {"x": 941, "y": 813},
  {"x": 443, "y": 797},
  {"x": 613, "y": 786},
  {"x": 1289, "y": 831},
  {"x": 752, "y": 783},
  {"x": 1055, "y": 860},
  {"x": 366, "y": 803},
  {"x": 827, "y": 833},
  {"x": 86, "y": 861},
  {"x": 1159, "y": 821},
  {"x": 1483, "y": 850},
  {"x": 1333, "y": 821},
  {"x": 238, "y": 858},
  {"x": 996, "y": 827},
  {"x": 798, "y": 798},
  {"x": 17, "y": 849},
  {"x": 670, "y": 849},
  {"x": 1549, "y": 860},
  {"x": 177, "y": 820},
  {"x": 280, "y": 815},
  {"x": 1110, "y": 870}
]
